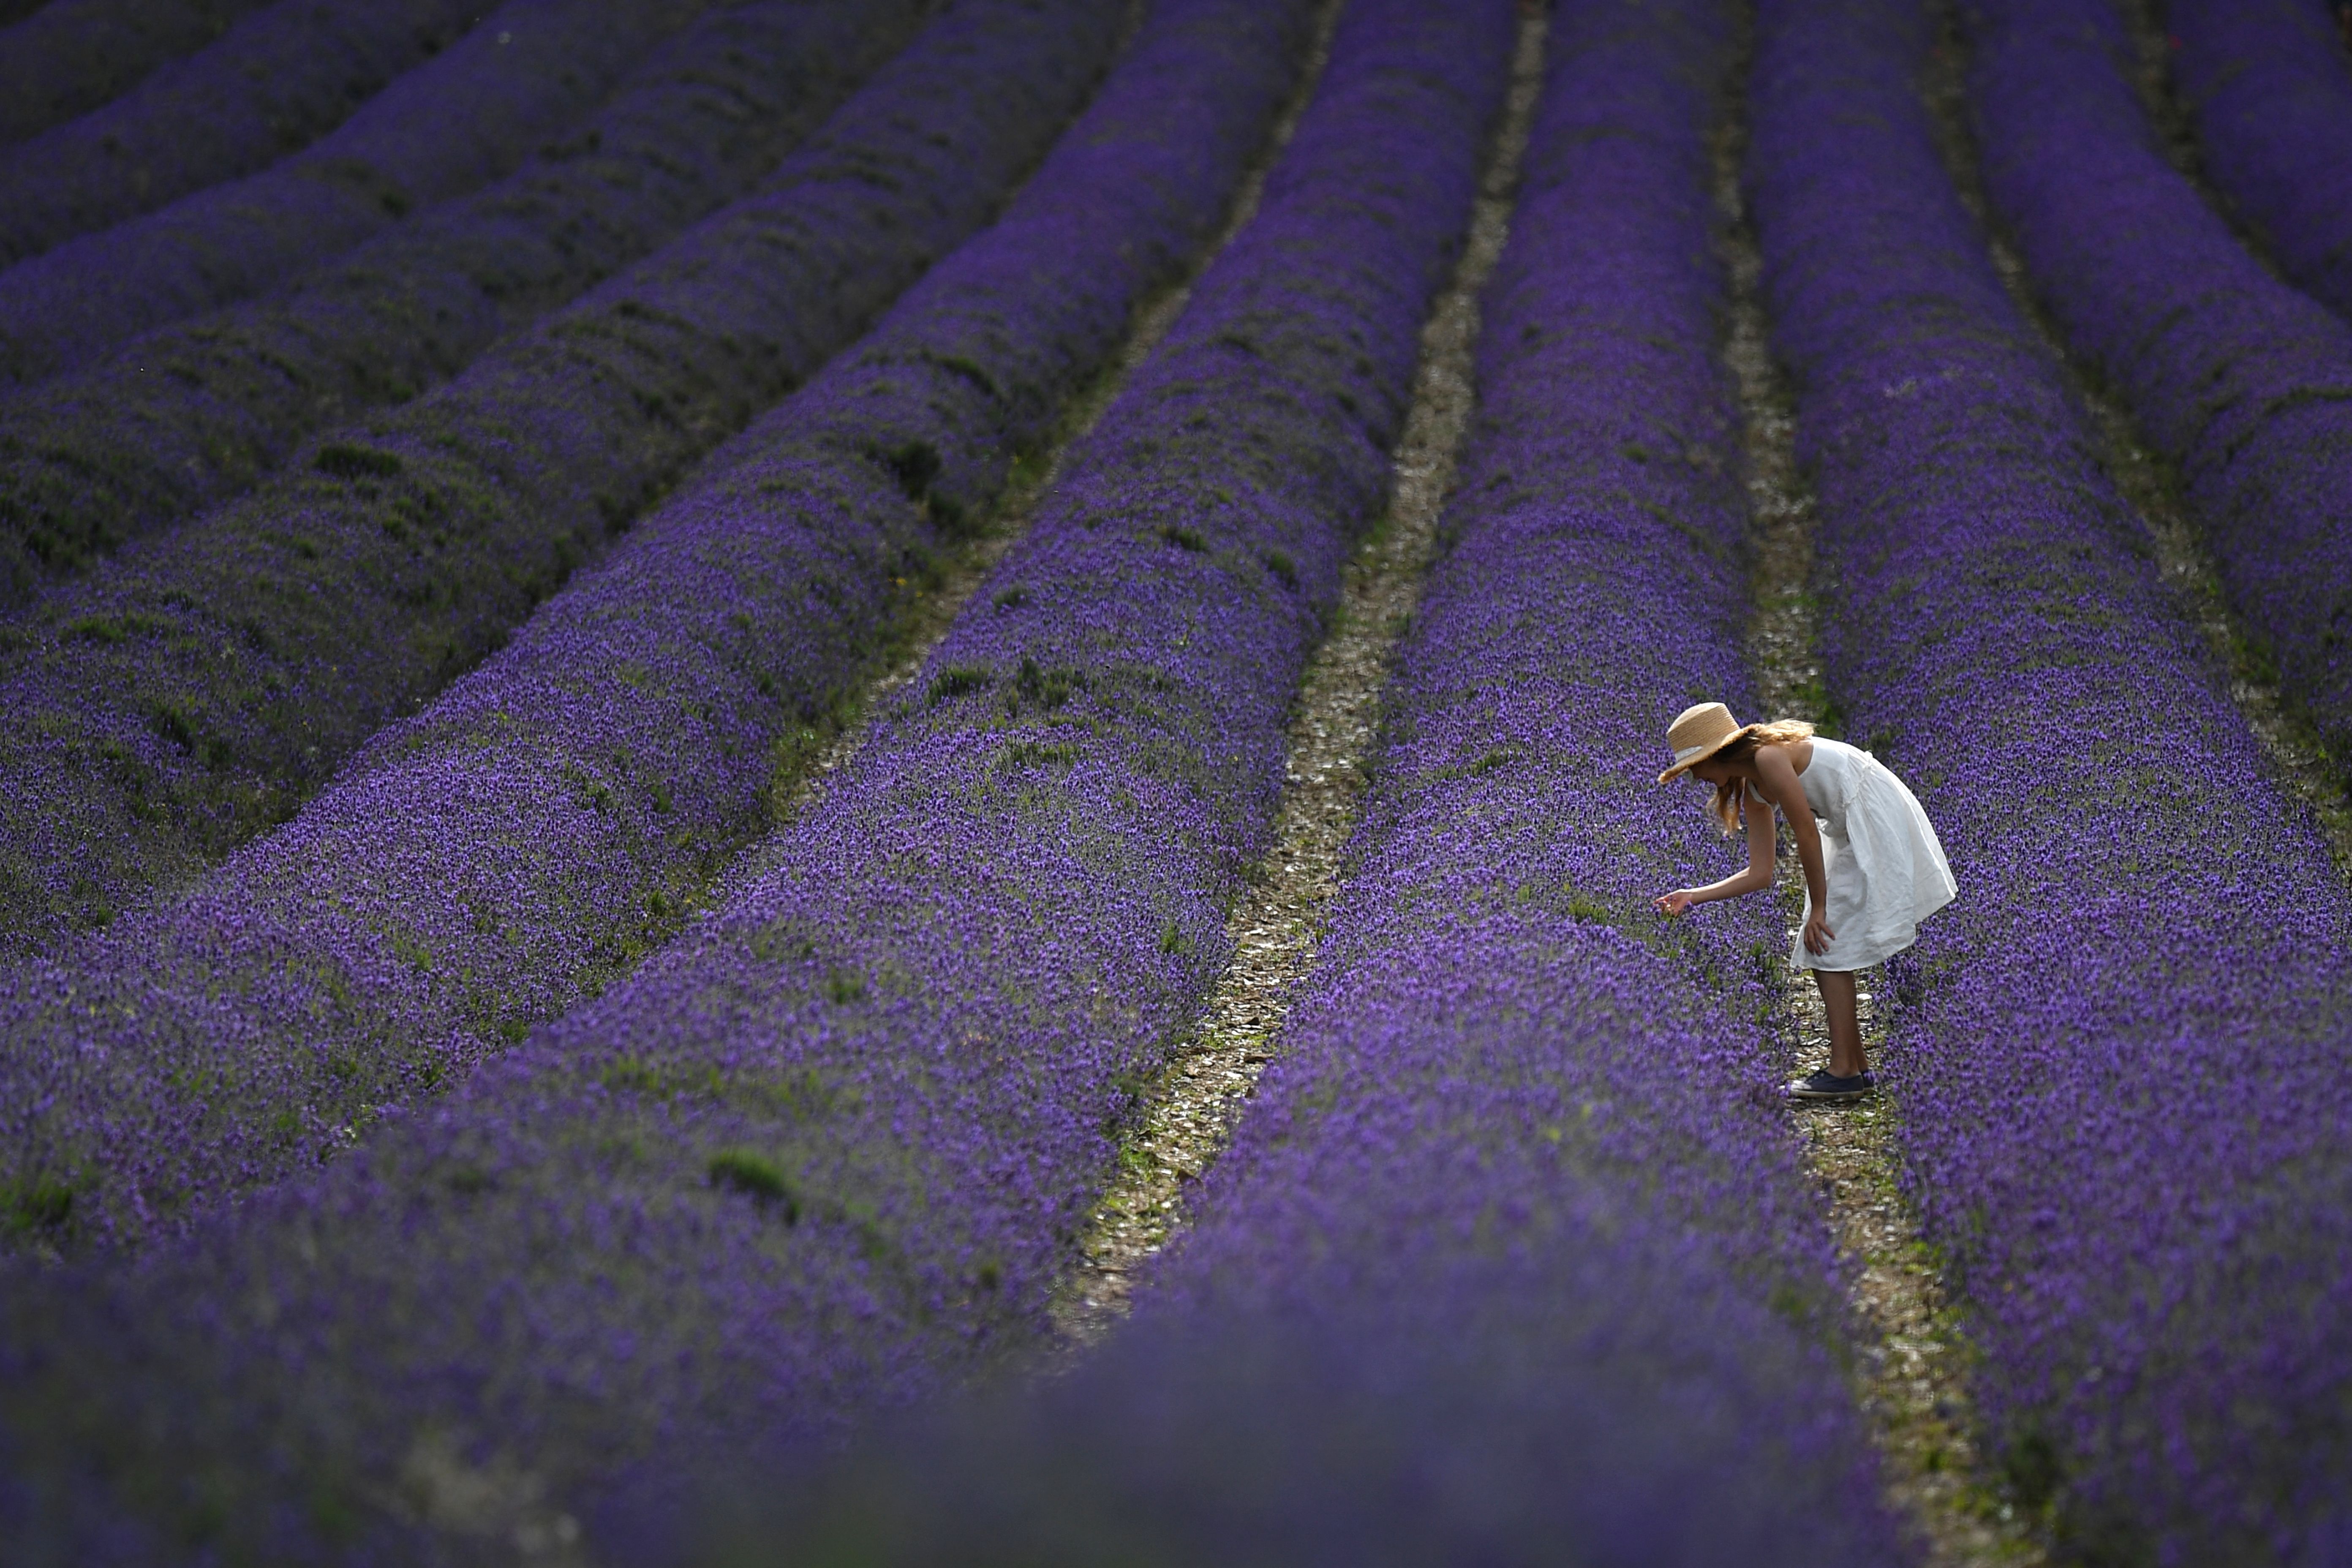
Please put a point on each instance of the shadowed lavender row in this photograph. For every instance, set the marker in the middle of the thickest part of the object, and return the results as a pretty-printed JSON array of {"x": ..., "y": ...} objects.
[
  {"x": 194, "y": 691},
  {"x": 526, "y": 73},
  {"x": 2120, "y": 1056},
  {"x": 483, "y": 867},
  {"x": 1513, "y": 1260},
  {"x": 71, "y": 56},
  {"x": 2266, "y": 83},
  {"x": 828, "y": 1149},
  {"x": 2244, "y": 382},
  {"x": 272, "y": 83},
  {"x": 188, "y": 415}
]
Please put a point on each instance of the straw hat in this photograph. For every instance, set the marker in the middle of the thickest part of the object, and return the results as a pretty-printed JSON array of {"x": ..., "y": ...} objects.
[{"x": 1698, "y": 734}]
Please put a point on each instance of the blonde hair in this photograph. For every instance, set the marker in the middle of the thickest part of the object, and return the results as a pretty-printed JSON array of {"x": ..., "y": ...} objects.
[{"x": 1738, "y": 749}]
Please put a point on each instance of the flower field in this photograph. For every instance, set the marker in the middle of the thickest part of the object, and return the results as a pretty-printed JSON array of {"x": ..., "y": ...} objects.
[
  {"x": 516, "y": 80},
  {"x": 481, "y": 1081},
  {"x": 112, "y": 450},
  {"x": 2149, "y": 1251}
]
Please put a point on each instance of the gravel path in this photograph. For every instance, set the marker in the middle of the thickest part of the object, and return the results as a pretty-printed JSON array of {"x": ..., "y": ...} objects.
[
  {"x": 1189, "y": 1107},
  {"x": 1912, "y": 1367}
]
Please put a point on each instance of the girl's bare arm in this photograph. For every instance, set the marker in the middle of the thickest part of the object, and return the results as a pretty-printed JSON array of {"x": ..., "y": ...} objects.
[{"x": 1758, "y": 817}]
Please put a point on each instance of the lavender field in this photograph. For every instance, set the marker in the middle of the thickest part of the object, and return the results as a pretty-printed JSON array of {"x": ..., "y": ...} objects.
[{"x": 668, "y": 669}]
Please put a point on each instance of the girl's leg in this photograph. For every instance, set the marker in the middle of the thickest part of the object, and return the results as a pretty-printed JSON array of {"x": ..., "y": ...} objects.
[{"x": 1845, "y": 1024}]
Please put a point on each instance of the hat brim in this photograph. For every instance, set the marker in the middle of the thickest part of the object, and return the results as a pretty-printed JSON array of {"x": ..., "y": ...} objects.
[{"x": 1687, "y": 764}]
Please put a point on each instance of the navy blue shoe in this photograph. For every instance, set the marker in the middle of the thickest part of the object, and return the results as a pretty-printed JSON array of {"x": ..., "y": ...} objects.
[{"x": 1827, "y": 1085}]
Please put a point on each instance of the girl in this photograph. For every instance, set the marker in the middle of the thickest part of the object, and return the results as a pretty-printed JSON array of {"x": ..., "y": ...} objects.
[{"x": 1873, "y": 868}]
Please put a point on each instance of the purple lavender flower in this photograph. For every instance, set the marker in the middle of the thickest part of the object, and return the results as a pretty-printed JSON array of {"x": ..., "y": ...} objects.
[
  {"x": 2119, "y": 1058},
  {"x": 191, "y": 415},
  {"x": 488, "y": 864},
  {"x": 273, "y": 82},
  {"x": 64, "y": 57},
  {"x": 195, "y": 690},
  {"x": 2241, "y": 380},
  {"x": 2273, "y": 104},
  {"x": 827, "y": 1150},
  {"x": 521, "y": 78},
  {"x": 1514, "y": 1258}
]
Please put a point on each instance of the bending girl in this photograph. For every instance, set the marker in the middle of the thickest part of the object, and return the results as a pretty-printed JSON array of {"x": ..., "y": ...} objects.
[{"x": 1873, "y": 868}]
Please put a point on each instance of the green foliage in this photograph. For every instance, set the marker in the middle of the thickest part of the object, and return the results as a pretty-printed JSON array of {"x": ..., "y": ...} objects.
[
  {"x": 914, "y": 464},
  {"x": 1047, "y": 689},
  {"x": 957, "y": 680},
  {"x": 35, "y": 1205},
  {"x": 741, "y": 1171},
  {"x": 343, "y": 460}
]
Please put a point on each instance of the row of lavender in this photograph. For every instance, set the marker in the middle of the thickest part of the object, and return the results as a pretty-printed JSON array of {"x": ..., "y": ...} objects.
[
  {"x": 276, "y": 80},
  {"x": 189, "y": 416},
  {"x": 68, "y": 57},
  {"x": 829, "y": 1149},
  {"x": 513, "y": 850},
  {"x": 2266, "y": 84},
  {"x": 2119, "y": 1057},
  {"x": 2244, "y": 382},
  {"x": 191, "y": 692},
  {"x": 1513, "y": 1260},
  {"x": 521, "y": 77}
]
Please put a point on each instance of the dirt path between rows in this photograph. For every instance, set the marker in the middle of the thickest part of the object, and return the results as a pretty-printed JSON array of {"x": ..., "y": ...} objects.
[
  {"x": 1911, "y": 1371},
  {"x": 1189, "y": 1107}
]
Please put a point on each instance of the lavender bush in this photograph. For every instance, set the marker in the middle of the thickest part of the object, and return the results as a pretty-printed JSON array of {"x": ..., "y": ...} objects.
[
  {"x": 116, "y": 450},
  {"x": 530, "y": 69},
  {"x": 2119, "y": 1057},
  {"x": 195, "y": 691},
  {"x": 2265, "y": 83},
  {"x": 1514, "y": 1260},
  {"x": 89, "y": 460},
  {"x": 69, "y": 56},
  {"x": 827, "y": 1150},
  {"x": 271, "y": 83},
  {"x": 2241, "y": 380},
  {"x": 486, "y": 865}
]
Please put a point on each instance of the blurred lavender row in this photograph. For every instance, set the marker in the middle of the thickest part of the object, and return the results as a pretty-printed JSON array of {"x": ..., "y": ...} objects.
[
  {"x": 2119, "y": 1057},
  {"x": 528, "y": 70},
  {"x": 827, "y": 1151},
  {"x": 192, "y": 414},
  {"x": 195, "y": 690},
  {"x": 272, "y": 83},
  {"x": 517, "y": 846},
  {"x": 2243, "y": 382},
  {"x": 2267, "y": 85},
  {"x": 1514, "y": 1260},
  {"x": 69, "y": 56}
]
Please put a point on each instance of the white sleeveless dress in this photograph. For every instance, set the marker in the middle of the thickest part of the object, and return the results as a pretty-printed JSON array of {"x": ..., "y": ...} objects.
[{"x": 1885, "y": 867}]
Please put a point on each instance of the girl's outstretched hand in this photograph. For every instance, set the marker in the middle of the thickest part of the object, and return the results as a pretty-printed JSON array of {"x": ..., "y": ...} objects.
[
  {"x": 1676, "y": 902},
  {"x": 1818, "y": 935}
]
